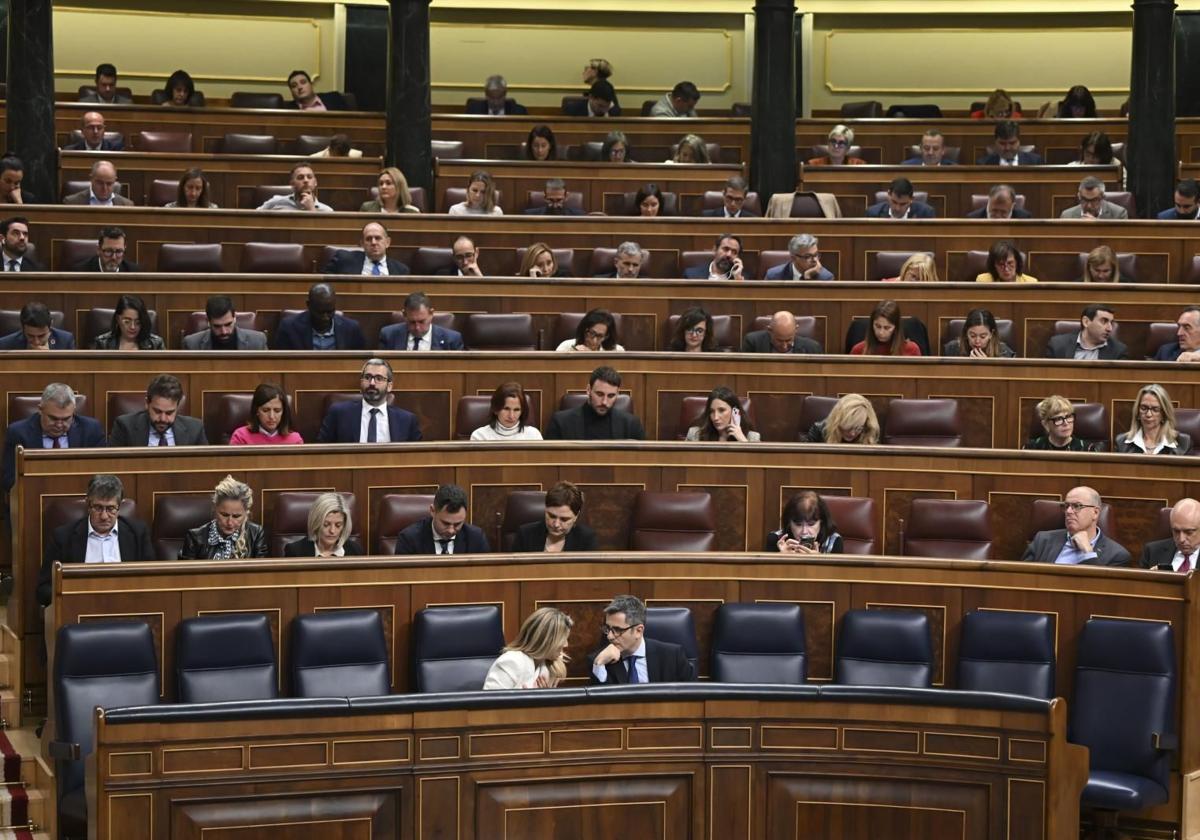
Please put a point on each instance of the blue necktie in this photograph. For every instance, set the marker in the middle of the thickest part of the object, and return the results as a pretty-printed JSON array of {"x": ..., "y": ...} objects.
[
  {"x": 375, "y": 268},
  {"x": 372, "y": 428},
  {"x": 633, "y": 673}
]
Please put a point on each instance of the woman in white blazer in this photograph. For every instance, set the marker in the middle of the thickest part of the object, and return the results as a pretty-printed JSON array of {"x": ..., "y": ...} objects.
[{"x": 538, "y": 656}]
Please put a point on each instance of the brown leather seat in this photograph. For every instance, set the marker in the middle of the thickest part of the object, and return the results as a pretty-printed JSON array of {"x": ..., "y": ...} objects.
[
  {"x": 1004, "y": 329},
  {"x": 520, "y": 508},
  {"x": 694, "y": 259},
  {"x": 936, "y": 422},
  {"x": 537, "y": 198},
  {"x": 684, "y": 521},
  {"x": 814, "y": 409},
  {"x": 128, "y": 402},
  {"x": 564, "y": 258},
  {"x": 248, "y": 144},
  {"x": 1162, "y": 528},
  {"x": 691, "y": 413},
  {"x": 446, "y": 149},
  {"x": 64, "y": 510},
  {"x": 187, "y": 257},
  {"x": 1127, "y": 264},
  {"x": 162, "y": 192},
  {"x": 396, "y": 512},
  {"x": 1192, "y": 275},
  {"x": 871, "y": 109},
  {"x": 1125, "y": 199},
  {"x": 21, "y": 406},
  {"x": 10, "y": 320},
  {"x": 475, "y": 410},
  {"x": 1187, "y": 420},
  {"x": 163, "y": 141},
  {"x": 197, "y": 321},
  {"x": 290, "y": 518},
  {"x": 432, "y": 260},
  {"x": 572, "y": 100},
  {"x": 456, "y": 195},
  {"x": 589, "y": 151},
  {"x": 568, "y": 322},
  {"x": 715, "y": 200},
  {"x": 980, "y": 201},
  {"x": 1091, "y": 424},
  {"x": 274, "y": 258},
  {"x": 601, "y": 262},
  {"x": 854, "y": 517},
  {"x": 506, "y": 331},
  {"x": 99, "y": 319},
  {"x": 307, "y": 144},
  {"x": 262, "y": 192},
  {"x": 955, "y": 529},
  {"x": 574, "y": 399},
  {"x": 73, "y": 252},
  {"x": 623, "y": 204},
  {"x": 1160, "y": 333},
  {"x": 1048, "y": 515},
  {"x": 881, "y": 264},
  {"x": 727, "y": 337},
  {"x": 174, "y": 515},
  {"x": 254, "y": 99},
  {"x": 224, "y": 414}
]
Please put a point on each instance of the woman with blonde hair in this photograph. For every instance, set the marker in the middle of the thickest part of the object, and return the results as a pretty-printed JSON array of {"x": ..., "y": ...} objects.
[
  {"x": 394, "y": 196},
  {"x": 839, "y": 140},
  {"x": 691, "y": 149},
  {"x": 1102, "y": 267},
  {"x": 229, "y": 535},
  {"x": 540, "y": 261},
  {"x": 537, "y": 658},
  {"x": 329, "y": 527},
  {"x": 852, "y": 420},
  {"x": 999, "y": 106},
  {"x": 1057, "y": 416},
  {"x": 919, "y": 268},
  {"x": 1152, "y": 430}
]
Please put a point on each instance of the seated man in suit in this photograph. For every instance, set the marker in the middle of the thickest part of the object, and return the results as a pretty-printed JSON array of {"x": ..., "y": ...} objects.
[
  {"x": 805, "y": 263},
  {"x": 13, "y": 256},
  {"x": 1001, "y": 204},
  {"x": 726, "y": 263},
  {"x": 55, "y": 425},
  {"x": 680, "y": 102},
  {"x": 36, "y": 331},
  {"x": 445, "y": 530},
  {"x": 627, "y": 262},
  {"x": 418, "y": 332},
  {"x": 372, "y": 260},
  {"x": 734, "y": 200},
  {"x": 105, "y": 91},
  {"x": 103, "y": 189},
  {"x": 159, "y": 423},
  {"x": 1187, "y": 202},
  {"x": 629, "y": 657},
  {"x": 601, "y": 101},
  {"x": 223, "y": 332},
  {"x": 102, "y": 536},
  {"x": 1092, "y": 204},
  {"x": 466, "y": 260},
  {"x": 93, "y": 139},
  {"x": 12, "y": 173},
  {"x": 900, "y": 203},
  {"x": 1081, "y": 541},
  {"x": 1187, "y": 331},
  {"x": 495, "y": 100},
  {"x": 556, "y": 201},
  {"x": 779, "y": 337},
  {"x": 1007, "y": 144},
  {"x": 1094, "y": 339},
  {"x": 304, "y": 99},
  {"x": 365, "y": 420},
  {"x": 303, "y": 197},
  {"x": 319, "y": 326},
  {"x": 597, "y": 418},
  {"x": 110, "y": 253},
  {"x": 933, "y": 151},
  {"x": 1179, "y": 553}
]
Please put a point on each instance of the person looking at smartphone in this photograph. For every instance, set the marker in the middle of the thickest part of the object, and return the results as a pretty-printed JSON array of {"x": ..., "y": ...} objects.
[
  {"x": 723, "y": 419},
  {"x": 805, "y": 527},
  {"x": 726, "y": 263}
]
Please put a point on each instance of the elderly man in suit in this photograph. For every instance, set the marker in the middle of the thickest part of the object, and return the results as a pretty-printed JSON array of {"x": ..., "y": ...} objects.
[
  {"x": 14, "y": 247},
  {"x": 1094, "y": 339},
  {"x": 110, "y": 253},
  {"x": 102, "y": 191},
  {"x": 418, "y": 332},
  {"x": 1179, "y": 553},
  {"x": 1001, "y": 204},
  {"x": 320, "y": 326},
  {"x": 159, "y": 423},
  {"x": 1081, "y": 542},
  {"x": 445, "y": 530},
  {"x": 598, "y": 418},
  {"x": 733, "y": 199},
  {"x": 370, "y": 419},
  {"x": 495, "y": 100},
  {"x": 805, "y": 263},
  {"x": 372, "y": 260},
  {"x": 37, "y": 332},
  {"x": 1092, "y": 204},
  {"x": 780, "y": 336},
  {"x": 627, "y": 262},
  {"x": 93, "y": 139},
  {"x": 102, "y": 536},
  {"x": 1187, "y": 332},
  {"x": 55, "y": 425},
  {"x": 223, "y": 333},
  {"x": 629, "y": 658}
]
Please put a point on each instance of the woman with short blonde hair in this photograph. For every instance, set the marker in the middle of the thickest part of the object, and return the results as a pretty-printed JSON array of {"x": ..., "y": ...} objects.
[
  {"x": 852, "y": 420},
  {"x": 1057, "y": 416},
  {"x": 537, "y": 658},
  {"x": 329, "y": 526},
  {"x": 229, "y": 535}
]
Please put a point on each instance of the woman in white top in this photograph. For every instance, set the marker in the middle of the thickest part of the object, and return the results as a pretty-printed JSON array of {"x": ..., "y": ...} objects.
[
  {"x": 597, "y": 332},
  {"x": 538, "y": 656},
  {"x": 508, "y": 416},
  {"x": 481, "y": 197},
  {"x": 723, "y": 419}
]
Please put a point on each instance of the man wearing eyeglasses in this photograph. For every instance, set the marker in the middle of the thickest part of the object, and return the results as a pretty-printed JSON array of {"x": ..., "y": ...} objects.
[
  {"x": 110, "y": 253},
  {"x": 1081, "y": 542},
  {"x": 370, "y": 419},
  {"x": 102, "y": 536},
  {"x": 466, "y": 260},
  {"x": 629, "y": 658},
  {"x": 1179, "y": 553},
  {"x": 805, "y": 263},
  {"x": 102, "y": 192},
  {"x": 55, "y": 425}
]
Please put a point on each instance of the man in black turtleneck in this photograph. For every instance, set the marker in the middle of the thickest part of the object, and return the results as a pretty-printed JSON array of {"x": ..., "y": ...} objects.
[{"x": 598, "y": 418}]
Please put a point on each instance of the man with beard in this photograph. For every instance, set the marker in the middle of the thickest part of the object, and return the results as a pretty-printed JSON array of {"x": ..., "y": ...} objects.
[
  {"x": 159, "y": 423},
  {"x": 223, "y": 332},
  {"x": 556, "y": 201},
  {"x": 16, "y": 242},
  {"x": 370, "y": 419}
]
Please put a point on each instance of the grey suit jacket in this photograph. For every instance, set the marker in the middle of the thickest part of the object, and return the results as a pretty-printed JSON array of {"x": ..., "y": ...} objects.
[
  {"x": 1047, "y": 545},
  {"x": 246, "y": 340},
  {"x": 134, "y": 430},
  {"x": 1108, "y": 211},
  {"x": 83, "y": 196}
]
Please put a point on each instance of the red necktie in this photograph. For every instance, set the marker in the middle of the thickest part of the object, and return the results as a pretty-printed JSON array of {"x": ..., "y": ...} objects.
[
  {"x": 1186, "y": 565},
  {"x": 58, "y": 443}
]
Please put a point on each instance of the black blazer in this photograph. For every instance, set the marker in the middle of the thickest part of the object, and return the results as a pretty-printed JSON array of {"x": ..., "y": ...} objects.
[
  {"x": 1063, "y": 347},
  {"x": 27, "y": 263},
  {"x": 531, "y": 538},
  {"x": 417, "y": 538},
  {"x": 295, "y": 333},
  {"x": 568, "y": 425},
  {"x": 1017, "y": 213},
  {"x": 93, "y": 264},
  {"x": 351, "y": 262},
  {"x": 307, "y": 548},
  {"x": 195, "y": 542},
  {"x": 1160, "y": 553},
  {"x": 134, "y": 430},
  {"x": 68, "y": 544},
  {"x": 759, "y": 341},
  {"x": 511, "y": 107},
  {"x": 665, "y": 662}
]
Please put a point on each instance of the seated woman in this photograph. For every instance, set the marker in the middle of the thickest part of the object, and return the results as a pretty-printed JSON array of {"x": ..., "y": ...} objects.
[
  {"x": 537, "y": 658},
  {"x": 1102, "y": 267},
  {"x": 1057, "y": 416},
  {"x": 394, "y": 196},
  {"x": 1005, "y": 264},
  {"x": 1077, "y": 104},
  {"x": 805, "y": 527},
  {"x": 691, "y": 149},
  {"x": 329, "y": 529},
  {"x": 919, "y": 268},
  {"x": 886, "y": 336},
  {"x": 561, "y": 529},
  {"x": 694, "y": 333},
  {"x": 270, "y": 420},
  {"x": 540, "y": 144},
  {"x": 1152, "y": 431},
  {"x": 229, "y": 535},
  {"x": 193, "y": 191},
  {"x": 1095, "y": 150},
  {"x": 852, "y": 420},
  {"x": 129, "y": 329},
  {"x": 648, "y": 201},
  {"x": 980, "y": 338},
  {"x": 481, "y": 197},
  {"x": 508, "y": 420},
  {"x": 723, "y": 419},
  {"x": 179, "y": 90},
  {"x": 840, "y": 139},
  {"x": 999, "y": 106},
  {"x": 540, "y": 262},
  {"x": 597, "y": 332},
  {"x": 616, "y": 148}
]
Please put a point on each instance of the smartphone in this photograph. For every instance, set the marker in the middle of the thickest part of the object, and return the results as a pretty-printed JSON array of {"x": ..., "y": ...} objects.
[
  {"x": 808, "y": 542},
  {"x": 737, "y": 418}
]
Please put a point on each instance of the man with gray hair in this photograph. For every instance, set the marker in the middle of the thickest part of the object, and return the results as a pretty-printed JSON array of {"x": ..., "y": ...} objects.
[
  {"x": 628, "y": 657},
  {"x": 102, "y": 191},
  {"x": 1001, "y": 204},
  {"x": 54, "y": 425},
  {"x": 627, "y": 262},
  {"x": 733, "y": 198},
  {"x": 495, "y": 102},
  {"x": 1092, "y": 204},
  {"x": 555, "y": 201},
  {"x": 1081, "y": 542},
  {"x": 805, "y": 263},
  {"x": 102, "y": 535}
]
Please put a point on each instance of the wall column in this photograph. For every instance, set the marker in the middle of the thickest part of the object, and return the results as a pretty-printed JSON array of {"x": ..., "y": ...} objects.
[
  {"x": 773, "y": 116},
  {"x": 409, "y": 112},
  {"x": 1151, "y": 151},
  {"x": 31, "y": 96}
]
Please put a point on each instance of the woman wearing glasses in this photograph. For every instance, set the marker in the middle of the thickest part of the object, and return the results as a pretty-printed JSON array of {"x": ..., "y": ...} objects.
[
  {"x": 597, "y": 332},
  {"x": 1152, "y": 431},
  {"x": 1057, "y": 416},
  {"x": 693, "y": 333},
  {"x": 840, "y": 138},
  {"x": 537, "y": 658},
  {"x": 560, "y": 530}
]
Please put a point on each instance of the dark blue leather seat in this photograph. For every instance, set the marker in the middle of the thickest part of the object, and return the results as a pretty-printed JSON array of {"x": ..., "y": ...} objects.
[
  {"x": 225, "y": 657},
  {"x": 97, "y": 663},
  {"x": 1008, "y": 652},
  {"x": 453, "y": 647},
  {"x": 339, "y": 653},
  {"x": 1123, "y": 712},
  {"x": 674, "y": 625},
  {"x": 759, "y": 643},
  {"x": 884, "y": 647}
]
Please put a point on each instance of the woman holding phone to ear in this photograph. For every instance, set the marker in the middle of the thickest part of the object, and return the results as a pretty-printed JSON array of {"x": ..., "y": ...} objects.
[
  {"x": 723, "y": 419},
  {"x": 805, "y": 527}
]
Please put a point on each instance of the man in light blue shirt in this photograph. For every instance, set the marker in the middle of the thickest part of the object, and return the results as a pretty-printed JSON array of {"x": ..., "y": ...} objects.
[{"x": 1081, "y": 542}]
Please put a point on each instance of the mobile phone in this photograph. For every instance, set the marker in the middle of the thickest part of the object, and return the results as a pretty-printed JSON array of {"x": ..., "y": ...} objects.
[
  {"x": 737, "y": 417},
  {"x": 808, "y": 542}
]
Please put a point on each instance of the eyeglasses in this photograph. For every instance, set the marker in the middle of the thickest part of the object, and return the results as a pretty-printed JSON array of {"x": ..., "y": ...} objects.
[
  {"x": 129, "y": 322},
  {"x": 113, "y": 252},
  {"x": 807, "y": 257},
  {"x": 1150, "y": 409},
  {"x": 1062, "y": 419},
  {"x": 595, "y": 336},
  {"x": 609, "y": 630},
  {"x": 841, "y": 142},
  {"x": 697, "y": 330},
  {"x": 1075, "y": 507},
  {"x": 374, "y": 377},
  {"x": 109, "y": 510}
]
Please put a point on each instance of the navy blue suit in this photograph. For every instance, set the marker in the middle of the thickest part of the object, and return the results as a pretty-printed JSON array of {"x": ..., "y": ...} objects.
[
  {"x": 351, "y": 262},
  {"x": 700, "y": 272},
  {"x": 783, "y": 271},
  {"x": 919, "y": 161},
  {"x": 344, "y": 420},
  {"x": 916, "y": 210},
  {"x": 84, "y": 433},
  {"x": 59, "y": 340},
  {"x": 545, "y": 211},
  {"x": 295, "y": 333},
  {"x": 1172, "y": 215},
  {"x": 1023, "y": 159},
  {"x": 511, "y": 107},
  {"x": 579, "y": 108},
  {"x": 1168, "y": 352},
  {"x": 719, "y": 212},
  {"x": 395, "y": 337}
]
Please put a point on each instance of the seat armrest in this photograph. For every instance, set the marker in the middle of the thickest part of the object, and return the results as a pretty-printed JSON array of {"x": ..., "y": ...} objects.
[
  {"x": 1165, "y": 741},
  {"x": 65, "y": 751}
]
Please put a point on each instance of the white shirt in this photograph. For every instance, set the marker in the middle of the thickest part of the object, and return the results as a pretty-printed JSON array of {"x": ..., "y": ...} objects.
[
  {"x": 102, "y": 548},
  {"x": 506, "y": 433},
  {"x": 569, "y": 346},
  {"x": 169, "y": 433},
  {"x": 461, "y": 209},
  {"x": 425, "y": 342},
  {"x": 437, "y": 546},
  {"x": 1177, "y": 560},
  {"x": 369, "y": 266},
  {"x": 1007, "y": 162},
  {"x": 382, "y": 434},
  {"x": 601, "y": 673},
  {"x": 1140, "y": 440},
  {"x": 12, "y": 263},
  {"x": 95, "y": 202}
]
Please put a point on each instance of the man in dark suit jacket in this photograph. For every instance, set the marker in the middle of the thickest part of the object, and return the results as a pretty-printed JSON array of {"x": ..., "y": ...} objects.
[
  {"x": 375, "y": 242},
  {"x": 110, "y": 253},
  {"x": 418, "y": 324},
  {"x": 305, "y": 99},
  {"x": 726, "y": 263},
  {"x": 779, "y": 337},
  {"x": 556, "y": 201},
  {"x": 597, "y": 418},
  {"x": 600, "y": 101},
  {"x": 91, "y": 538},
  {"x": 734, "y": 200},
  {"x": 1187, "y": 202},
  {"x": 12, "y": 174},
  {"x": 1007, "y": 145},
  {"x": 13, "y": 252},
  {"x": 445, "y": 530},
  {"x": 1093, "y": 341},
  {"x": 1180, "y": 552},
  {"x": 320, "y": 326},
  {"x": 93, "y": 139},
  {"x": 1081, "y": 542},
  {"x": 496, "y": 101},
  {"x": 805, "y": 263},
  {"x": 370, "y": 419},
  {"x": 630, "y": 657},
  {"x": 55, "y": 425},
  {"x": 159, "y": 423},
  {"x": 1001, "y": 204},
  {"x": 36, "y": 332},
  {"x": 900, "y": 203},
  {"x": 933, "y": 151}
]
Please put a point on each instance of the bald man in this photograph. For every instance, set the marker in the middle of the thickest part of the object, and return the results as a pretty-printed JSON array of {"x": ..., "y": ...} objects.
[
  {"x": 1177, "y": 554},
  {"x": 102, "y": 191},
  {"x": 779, "y": 337},
  {"x": 1081, "y": 542}
]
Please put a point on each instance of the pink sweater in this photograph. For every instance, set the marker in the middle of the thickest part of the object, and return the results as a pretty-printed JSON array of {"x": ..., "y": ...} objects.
[{"x": 245, "y": 437}]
